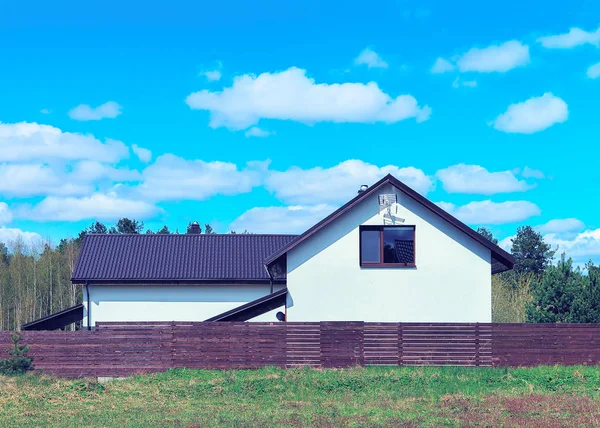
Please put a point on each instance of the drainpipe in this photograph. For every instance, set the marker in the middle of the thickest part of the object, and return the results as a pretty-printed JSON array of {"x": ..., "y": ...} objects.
[
  {"x": 271, "y": 282},
  {"x": 270, "y": 277},
  {"x": 89, "y": 306}
]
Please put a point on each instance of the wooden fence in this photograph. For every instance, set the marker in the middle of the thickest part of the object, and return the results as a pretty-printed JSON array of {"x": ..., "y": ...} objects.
[{"x": 117, "y": 349}]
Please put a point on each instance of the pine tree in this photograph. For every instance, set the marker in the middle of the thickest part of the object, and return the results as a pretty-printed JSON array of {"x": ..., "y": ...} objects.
[
  {"x": 586, "y": 307},
  {"x": 530, "y": 251},
  {"x": 486, "y": 233},
  {"x": 554, "y": 296},
  {"x": 18, "y": 362}
]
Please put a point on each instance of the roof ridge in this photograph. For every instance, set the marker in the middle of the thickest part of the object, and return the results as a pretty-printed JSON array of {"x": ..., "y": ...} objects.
[{"x": 191, "y": 234}]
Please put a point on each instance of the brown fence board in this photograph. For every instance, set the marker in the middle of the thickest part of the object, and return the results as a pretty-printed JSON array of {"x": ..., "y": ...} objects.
[{"x": 120, "y": 349}]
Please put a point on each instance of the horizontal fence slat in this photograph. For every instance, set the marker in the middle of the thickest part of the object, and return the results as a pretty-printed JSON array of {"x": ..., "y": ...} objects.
[{"x": 121, "y": 349}]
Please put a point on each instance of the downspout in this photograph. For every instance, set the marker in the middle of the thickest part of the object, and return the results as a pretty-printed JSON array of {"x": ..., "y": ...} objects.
[
  {"x": 271, "y": 283},
  {"x": 89, "y": 306},
  {"x": 270, "y": 278}
]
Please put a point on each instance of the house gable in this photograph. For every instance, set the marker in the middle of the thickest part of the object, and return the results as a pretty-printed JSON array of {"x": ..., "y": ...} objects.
[
  {"x": 500, "y": 260},
  {"x": 450, "y": 280}
]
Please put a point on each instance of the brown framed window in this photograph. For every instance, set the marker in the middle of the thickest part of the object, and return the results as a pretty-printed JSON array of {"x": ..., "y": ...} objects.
[{"x": 387, "y": 246}]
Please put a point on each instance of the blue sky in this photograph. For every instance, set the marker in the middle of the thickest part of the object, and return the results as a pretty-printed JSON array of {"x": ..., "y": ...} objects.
[{"x": 268, "y": 115}]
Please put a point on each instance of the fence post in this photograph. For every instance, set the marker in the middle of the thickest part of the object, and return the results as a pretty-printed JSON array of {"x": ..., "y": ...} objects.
[
  {"x": 477, "y": 358},
  {"x": 400, "y": 343}
]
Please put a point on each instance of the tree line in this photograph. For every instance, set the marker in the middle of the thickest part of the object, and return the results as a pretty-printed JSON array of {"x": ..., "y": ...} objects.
[
  {"x": 540, "y": 291},
  {"x": 35, "y": 277}
]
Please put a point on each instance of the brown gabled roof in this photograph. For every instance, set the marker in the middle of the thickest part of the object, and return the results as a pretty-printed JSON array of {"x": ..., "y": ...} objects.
[
  {"x": 501, "y": 260},
  {"x": 176, "y": 259}
]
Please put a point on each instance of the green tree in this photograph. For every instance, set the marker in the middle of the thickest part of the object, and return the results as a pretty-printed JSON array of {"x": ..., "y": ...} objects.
[
  {"x": 586, "y": 307},
  {"x": 4, "y": 254},
  {"x": 553, "y": 297},
  {"x": 95, "y": 227},
  {"x": 208, "y": 230},
  {"x": 486, "y": 233},
  {"x": 18, "y": 363},
  {"x": 164, "y": 231},
  {"x": 125, "y": 225},
  {"x": 531, "y": 253}
]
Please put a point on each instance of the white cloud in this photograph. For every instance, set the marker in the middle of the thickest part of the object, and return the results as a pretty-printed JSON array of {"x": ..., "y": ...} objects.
[
  {"x": 212, "y": 75},
  {"x": 291, "y": 95},
  {"x": 442, "y": 66},
  {"x": 172, "y": 177},
  {"x": 370, "y": 58},
  {"x": 458, "y": 83},
  {"x": 257, "y": 132},
  {"x": 144, "y": 155},
  {"x": 45, "y": 111},
  {"x": 506, "y": 243},
  {"x": 561, "y": 226},
  {"x": 582, "y": 247},
  {"x": 25, "y": 141},
  {"x": 475, "y": 179},
  {"x": 488, "y": 212},
  {"x": 575, "y": 37},
  {"x": 593, "y": 72},
  {"x": 292, "y": 219},
  {"x": 495, "y": 58},
  {"x": 5, "y": 214},
  {"x": 97, "y": 206},
  {"x": 108, "y": 110},
  {"x": 9, "y": 235},
  {"x": 339, "y": 183},
  {"x": 533, "y": 115},
  {"x": 26, "y": 180},
  {"x": 91, "y": 172},
  {"x": 532, "y": 173}
]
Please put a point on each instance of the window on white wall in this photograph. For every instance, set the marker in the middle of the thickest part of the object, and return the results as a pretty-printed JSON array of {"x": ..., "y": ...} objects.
[{"x": 387, "y": 246}]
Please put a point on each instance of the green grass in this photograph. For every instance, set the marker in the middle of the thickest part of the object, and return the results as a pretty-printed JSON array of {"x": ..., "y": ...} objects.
[{"x": 544, "y": 396}]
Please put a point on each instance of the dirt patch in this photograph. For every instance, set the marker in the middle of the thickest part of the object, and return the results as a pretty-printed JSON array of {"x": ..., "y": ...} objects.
[{"x": 523, "y": 410}]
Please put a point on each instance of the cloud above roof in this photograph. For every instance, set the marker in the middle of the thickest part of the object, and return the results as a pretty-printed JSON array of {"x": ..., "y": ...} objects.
[
  {"x": 292, "y": 95},
  {"x": 489, "y": 212},
  {"x": 84, "y": 112},
  {"x": 171, "y": 177},
  {"x": 533, "y": 115},
  {"x": 339, "y": 183},
  {"x": 475, "y": 179},
  {"x": 574, "y": 37},
  {"x": 29, "y": 141},
  {"x": 371, "y": 59},
  {"x": 491, "y": 59},
  {"x": 96, "y": 206},
  {"x": 287, "y": 219}
]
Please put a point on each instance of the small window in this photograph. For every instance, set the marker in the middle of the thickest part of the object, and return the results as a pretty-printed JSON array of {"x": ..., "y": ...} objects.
[{"x": 387, "y": 246}]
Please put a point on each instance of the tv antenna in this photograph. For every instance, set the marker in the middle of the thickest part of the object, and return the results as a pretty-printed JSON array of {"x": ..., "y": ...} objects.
[{"x": 386, "y": 203}]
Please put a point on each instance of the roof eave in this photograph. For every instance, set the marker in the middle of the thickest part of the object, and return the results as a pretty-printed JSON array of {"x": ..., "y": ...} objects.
[{"x": 130, "y": 281}]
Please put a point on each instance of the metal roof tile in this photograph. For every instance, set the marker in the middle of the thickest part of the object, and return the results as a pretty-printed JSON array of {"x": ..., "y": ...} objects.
[{"x": 186, "y": 257}]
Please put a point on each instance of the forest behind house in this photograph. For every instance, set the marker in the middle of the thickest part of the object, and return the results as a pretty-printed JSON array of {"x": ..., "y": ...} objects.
[{"x": 35, "y": 279}]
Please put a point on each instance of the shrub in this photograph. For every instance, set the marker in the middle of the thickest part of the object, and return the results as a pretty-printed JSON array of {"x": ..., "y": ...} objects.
[{"x": 18, "y": 363}]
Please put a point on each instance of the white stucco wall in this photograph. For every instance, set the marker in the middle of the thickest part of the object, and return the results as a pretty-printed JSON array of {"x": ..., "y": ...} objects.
[
  {"x": 450, "y": 283},
  {"x": 169, "y": 302}
]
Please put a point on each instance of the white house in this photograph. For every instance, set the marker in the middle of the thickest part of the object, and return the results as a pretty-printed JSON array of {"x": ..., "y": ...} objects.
[{"x": 389, "y": 254}]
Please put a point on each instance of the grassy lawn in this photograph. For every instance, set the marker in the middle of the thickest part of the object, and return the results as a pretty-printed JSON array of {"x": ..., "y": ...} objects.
[{"x": 375, "y": 396}]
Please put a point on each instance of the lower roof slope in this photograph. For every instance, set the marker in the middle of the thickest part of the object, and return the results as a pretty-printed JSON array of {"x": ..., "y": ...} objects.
[{"x": 185, "y": 258}]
